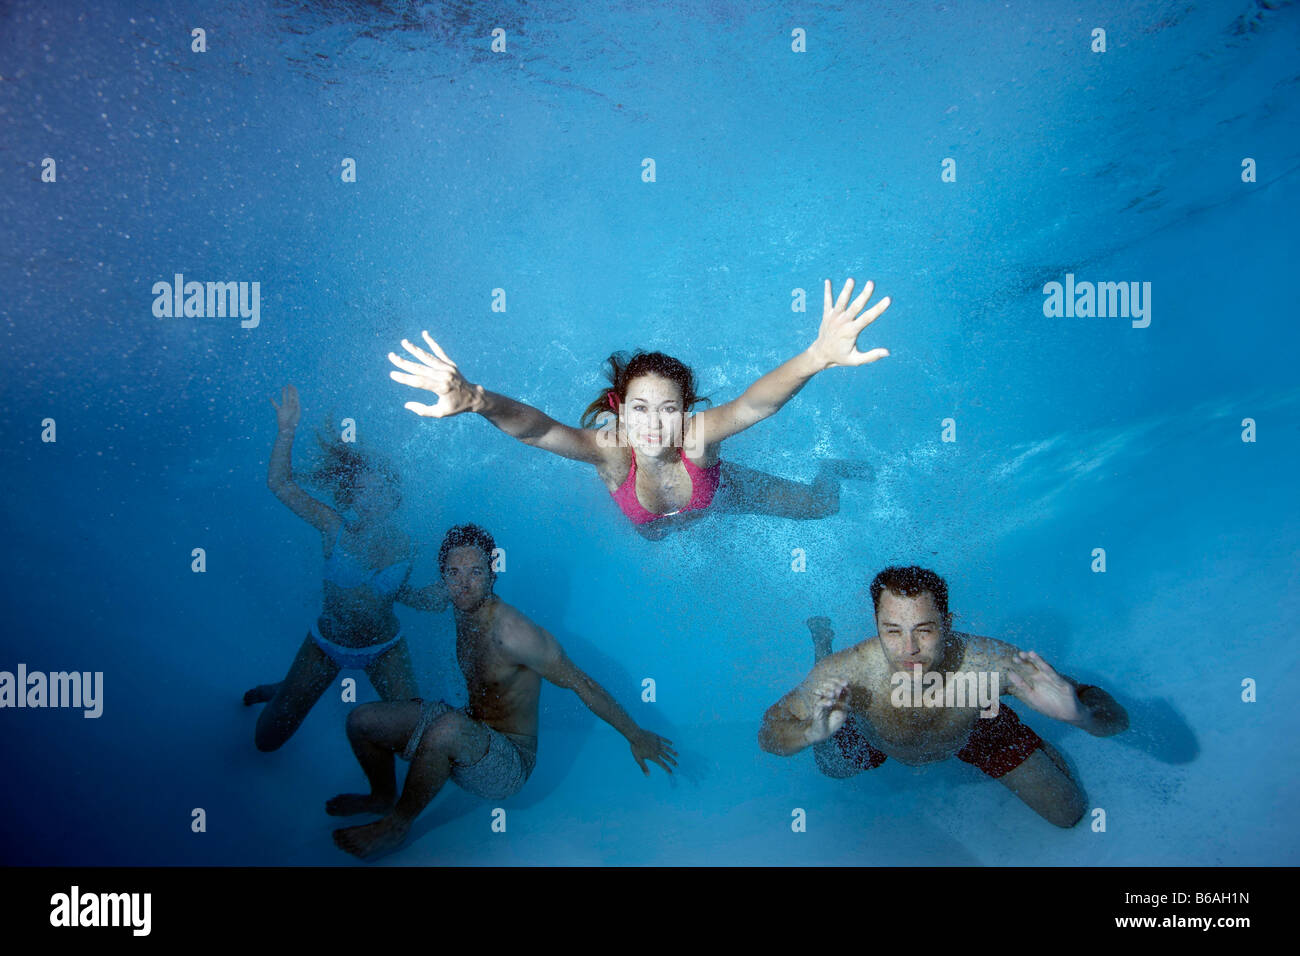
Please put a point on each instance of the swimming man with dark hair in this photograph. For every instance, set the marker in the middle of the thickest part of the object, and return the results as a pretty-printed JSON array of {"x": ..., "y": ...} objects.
[
  {"x": 489, "y": 746},
  {"x": 857, "y": 706}
]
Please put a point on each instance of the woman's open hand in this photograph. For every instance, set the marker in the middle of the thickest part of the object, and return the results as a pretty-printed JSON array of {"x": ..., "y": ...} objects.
[
  {"x": 434, "y": 373},
  {"x": 837, "y": 340},
  {"x": 288, "y": 411}
]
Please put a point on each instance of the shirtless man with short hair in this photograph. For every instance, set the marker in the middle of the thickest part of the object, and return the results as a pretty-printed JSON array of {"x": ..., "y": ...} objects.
[
  {"x": 846, "y": 707},
  {"x": 488, "y": 747}
]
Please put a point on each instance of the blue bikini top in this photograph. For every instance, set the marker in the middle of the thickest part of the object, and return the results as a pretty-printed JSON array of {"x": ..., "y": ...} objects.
[{"x": 347, "y": 571}]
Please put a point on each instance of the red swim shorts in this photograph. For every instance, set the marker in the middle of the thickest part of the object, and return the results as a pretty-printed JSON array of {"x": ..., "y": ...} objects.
[{"x": 997, "y": 745}]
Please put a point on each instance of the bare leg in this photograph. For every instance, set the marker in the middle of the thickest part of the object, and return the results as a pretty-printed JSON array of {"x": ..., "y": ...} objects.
[
  {"x": 451, "y": 739},
  {"x": 822, "y": 636},
  {"x": 392, "y": 675},
  {"x": 1045, "y": 784},
  {"x": 756, "y": 492},
  {"x": 376, "y": 731},
  {"x": 309, "y": 674},
  {"x": 261, "y": 693}
]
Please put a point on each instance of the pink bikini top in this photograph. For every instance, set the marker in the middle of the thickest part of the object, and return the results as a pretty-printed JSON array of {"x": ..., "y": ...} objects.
[{"x": 704, "y": 482}]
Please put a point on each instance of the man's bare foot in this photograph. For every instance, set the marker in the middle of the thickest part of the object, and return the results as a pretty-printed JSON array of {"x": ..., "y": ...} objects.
[
  {"x": 260, "y": 694},
  {"x": 350, "y": 804},
  {"x": 372, "y": 839},
  {"x": 821, "y": 635}
]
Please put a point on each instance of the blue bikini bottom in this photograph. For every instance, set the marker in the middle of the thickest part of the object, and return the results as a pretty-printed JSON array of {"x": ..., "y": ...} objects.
[{"x": 359, "y": 657}]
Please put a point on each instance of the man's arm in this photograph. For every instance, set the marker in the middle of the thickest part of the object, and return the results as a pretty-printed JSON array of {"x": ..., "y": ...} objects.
[
  {"x": 785, "y": 728},
  {"x": 1105, "y": 715},
  {"x": 810, "y": 713},
  {"x": 1030, "y": 678},
  {"x": 537, "y": 649}
]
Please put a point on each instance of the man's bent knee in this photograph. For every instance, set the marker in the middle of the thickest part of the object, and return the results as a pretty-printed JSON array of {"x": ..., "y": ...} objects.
[
  {"x": 365, "y": 721},
  {"x": 1078, "y": 809},
  {"x": 1067, "y": 819},
  {"x": 447, "y": 732},
  {"x": 1069, "y": 811}
]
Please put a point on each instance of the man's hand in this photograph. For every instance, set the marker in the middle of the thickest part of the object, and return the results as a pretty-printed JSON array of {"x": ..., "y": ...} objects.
[
  {"x": 1043, "y": 689},
  {"x": 650, "y": 746},
  {"x": 837, "y": 339},
  {"x": 829, "y": 709},
  {"x": 434, "y": 373}
]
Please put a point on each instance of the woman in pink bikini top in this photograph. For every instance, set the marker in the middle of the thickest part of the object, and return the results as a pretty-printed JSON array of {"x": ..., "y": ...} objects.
[
  {"x": 657, "y": 458},
  {"x": 649, "y": 397}
]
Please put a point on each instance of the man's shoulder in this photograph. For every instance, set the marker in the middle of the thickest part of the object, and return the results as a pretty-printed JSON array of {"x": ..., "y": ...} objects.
[
  {"x": 983, "y": 653},
  {"x": 513, "y": 629},
  {"x": 508, "y": 620},
  {"x": 523, "y": 642},
  {"x": 856, "y": 663}
]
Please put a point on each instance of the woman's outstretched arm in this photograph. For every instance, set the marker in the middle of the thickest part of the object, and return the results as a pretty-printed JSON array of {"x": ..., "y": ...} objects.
[
  {"x": 279, "y": 476},
  {"x": 836, "y": 345},
  {"x": 438, "y": 374},
  {"x": 431, "y": 597}
]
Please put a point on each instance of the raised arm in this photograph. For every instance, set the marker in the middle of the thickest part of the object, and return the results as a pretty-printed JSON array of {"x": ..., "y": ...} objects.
[
  {"x": 836, "y": 345},
  {"x": 438, "y": 374},
  {"x": 535, "y": 648},
  {"x": 810, "y": 713},
  {"x": 1030, "y": 678},
  {"x": 279, "y": 475}
]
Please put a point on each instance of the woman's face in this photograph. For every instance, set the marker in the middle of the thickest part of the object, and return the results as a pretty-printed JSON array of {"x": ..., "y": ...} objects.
[
  {"x": 376, "y": 496},
  {"x": 652, "y": 414}
]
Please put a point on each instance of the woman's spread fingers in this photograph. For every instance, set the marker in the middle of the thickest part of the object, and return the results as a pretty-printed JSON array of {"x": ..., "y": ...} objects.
[
  {"x": 861, "y": 300},
  {"x": 843, "y": 300}
]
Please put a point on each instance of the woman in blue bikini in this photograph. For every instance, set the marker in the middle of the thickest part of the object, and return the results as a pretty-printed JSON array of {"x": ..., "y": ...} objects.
[
  {"x": 658, "y": 459},
  {"x": 367, "y": 564}
]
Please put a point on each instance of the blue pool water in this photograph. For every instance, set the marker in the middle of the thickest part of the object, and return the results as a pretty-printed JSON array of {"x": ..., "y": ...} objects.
[{"x": 522, "y": 170}]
